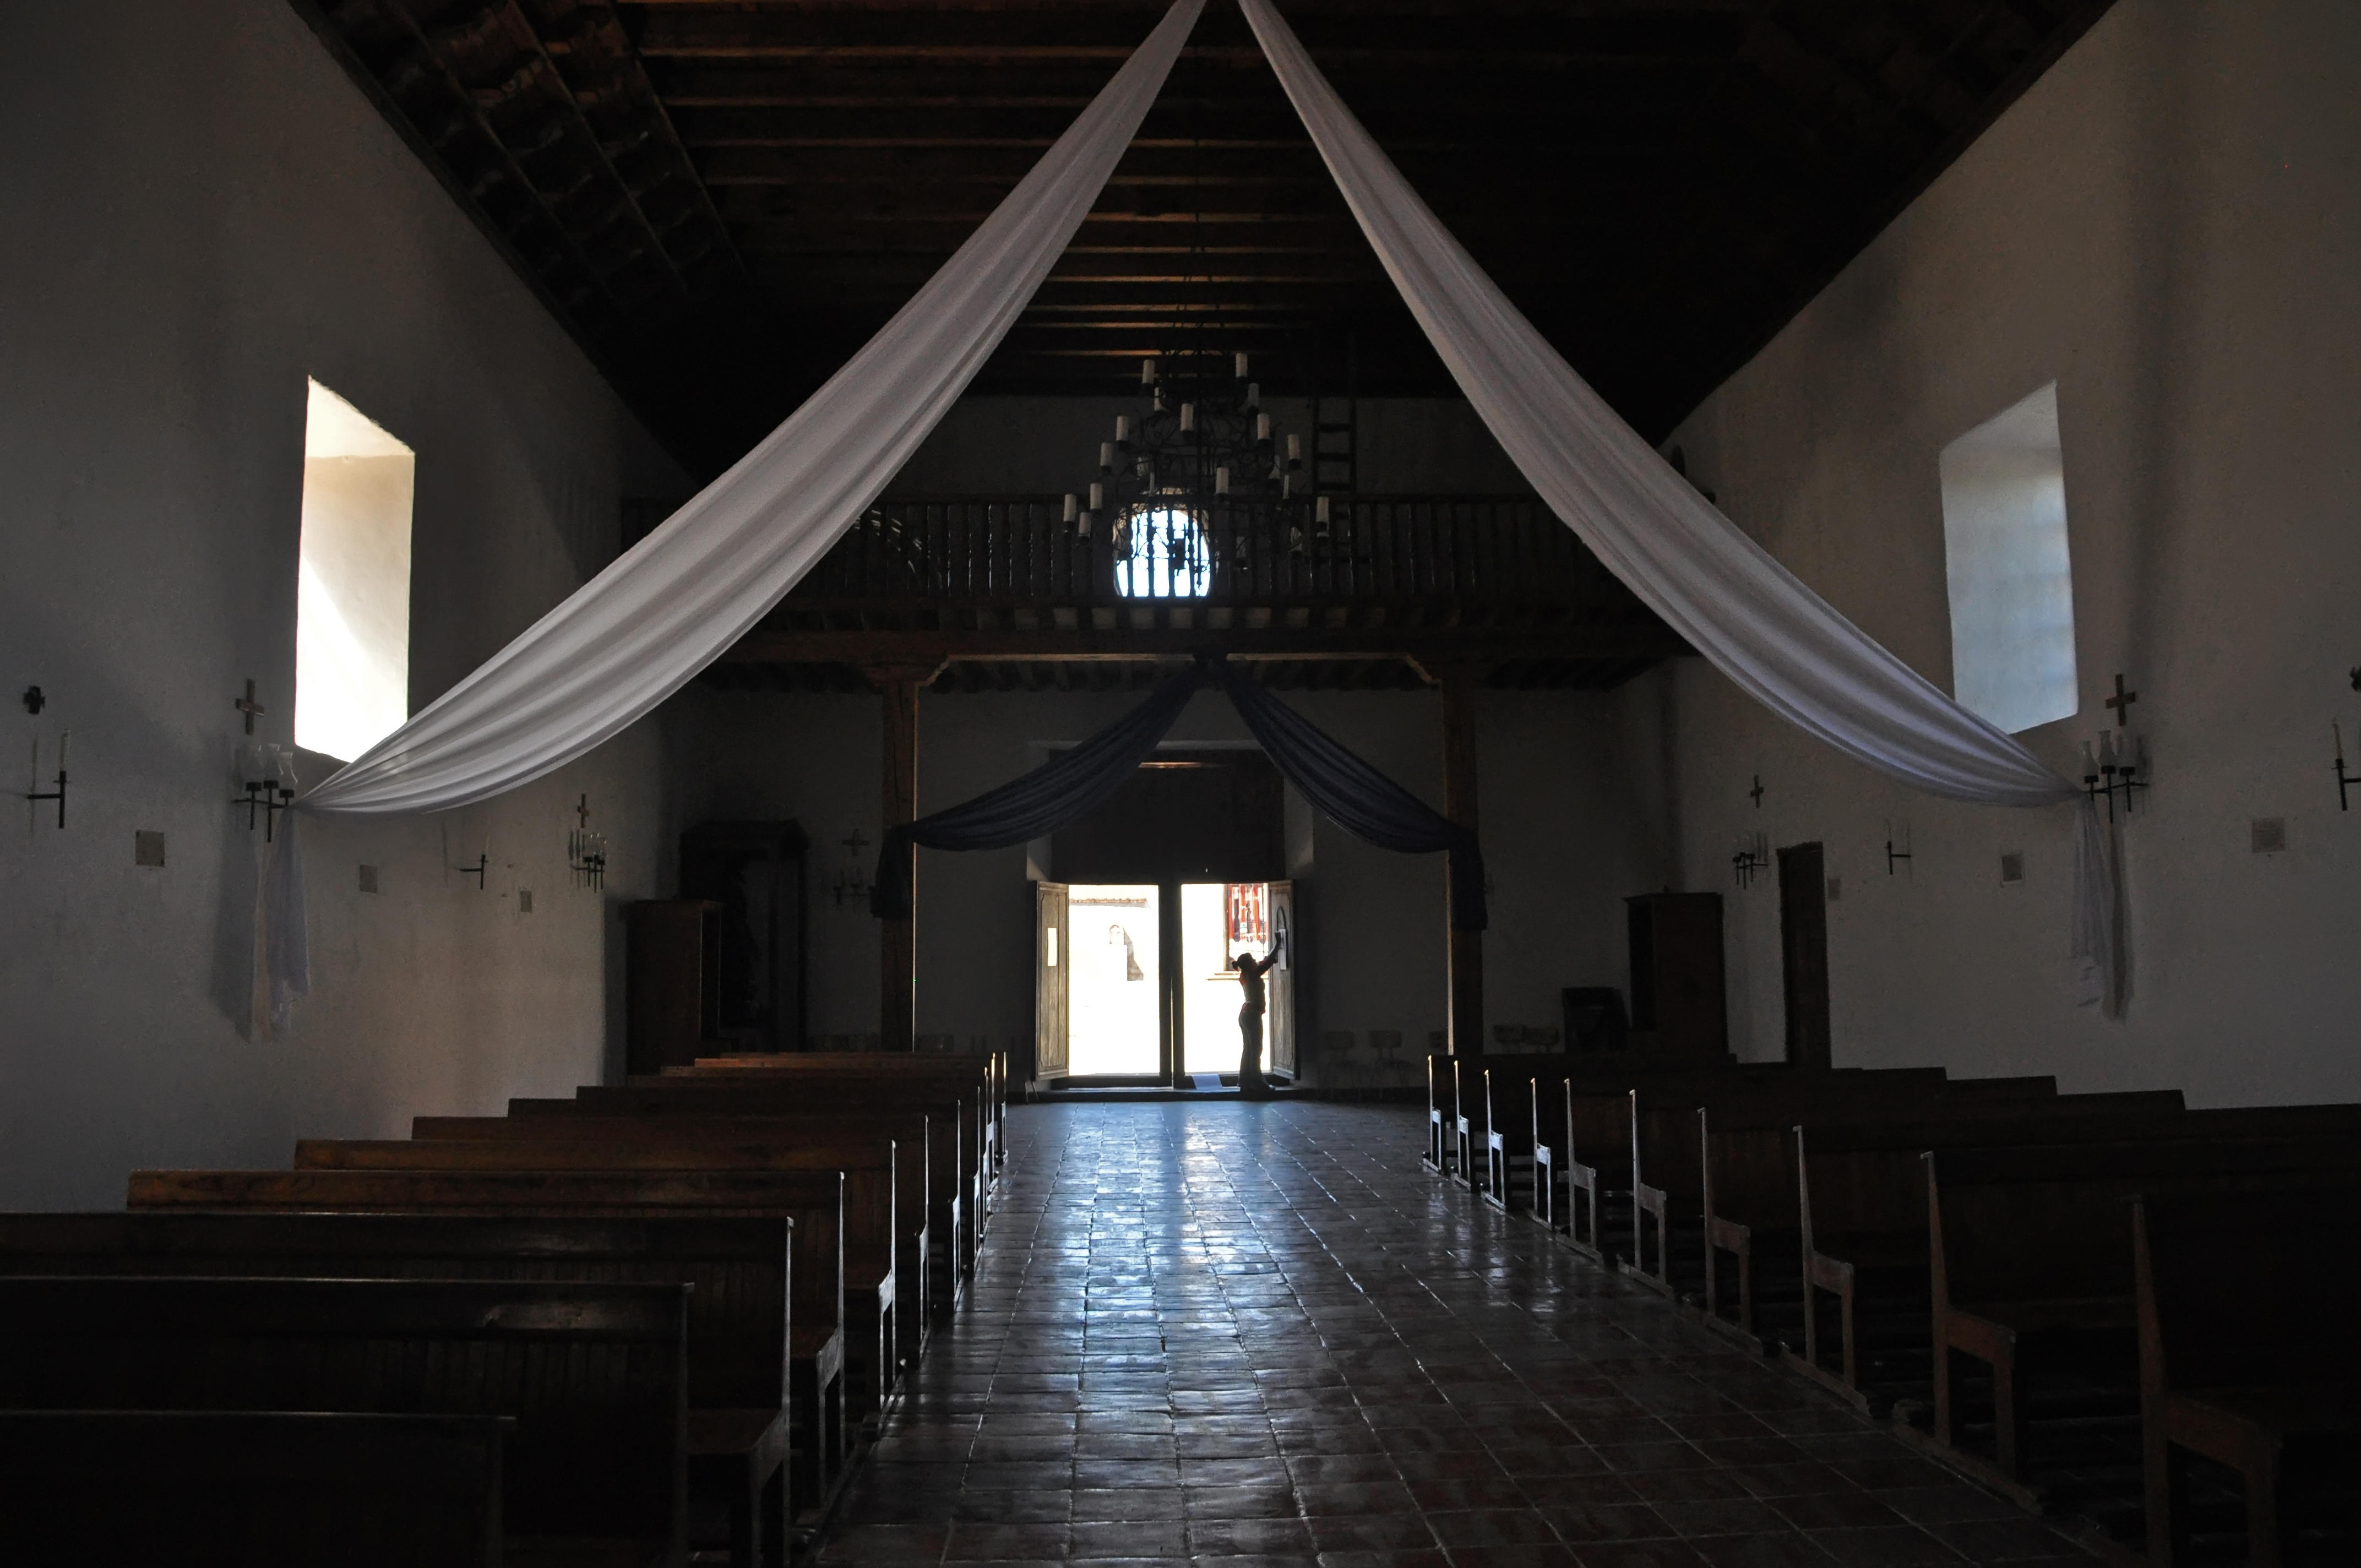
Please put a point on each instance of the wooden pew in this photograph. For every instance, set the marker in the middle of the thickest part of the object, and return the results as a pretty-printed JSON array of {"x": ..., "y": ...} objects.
[
  {"x": 990, "y": 1070},
  {"x": 1751, "y": 1181},
  {"x": 1509, "y": 1174},
  {"x": 2249, "y": 1358},
  {"x": 1666, "y": 1202},
  {"x": 869, "y": 1163},
  {"x": 737, "y": 1269},
  {"x": 1863, "y": 1217},
  {"x": 1471, "y": 1127},
  {"x": 979, "y": 1074},
  {"x": 919, "y": 1184},
  {"x": 225, "y": 1489},
  {"x": 1441, "y": 1155},
  {"x": 813, "y": 1200},
  {"x": 2030, "y": 1263},
  {"x": 595, "y": 1377},
  {"x": 742, "y": 1094}
]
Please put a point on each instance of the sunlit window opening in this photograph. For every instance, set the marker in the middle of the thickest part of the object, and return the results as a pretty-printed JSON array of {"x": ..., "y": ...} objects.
[
  {"x": 2012, "y": 579},
  {"x": 352, "y": 602},
  {"x": 1160, "y": 554}
]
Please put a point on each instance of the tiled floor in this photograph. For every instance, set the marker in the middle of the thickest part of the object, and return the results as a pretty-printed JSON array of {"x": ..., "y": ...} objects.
[{"x": 1261, "y": 1334}]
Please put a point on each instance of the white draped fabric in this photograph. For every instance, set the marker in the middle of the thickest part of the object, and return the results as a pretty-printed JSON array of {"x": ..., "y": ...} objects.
[
  {"x": 676, "y": 601},
  {"x": 1751, "y": 618}
]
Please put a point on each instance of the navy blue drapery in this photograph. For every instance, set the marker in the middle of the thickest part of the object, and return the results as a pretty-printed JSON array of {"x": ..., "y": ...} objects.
[{"x": 1343, "y": 787}]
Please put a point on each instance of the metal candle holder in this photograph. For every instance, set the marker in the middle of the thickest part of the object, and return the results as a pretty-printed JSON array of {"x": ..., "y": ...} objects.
[
  {"x": 2108, "y": 773},
  {"x": 59, "y": 793},
  {"x": 1751, "y": 861}
]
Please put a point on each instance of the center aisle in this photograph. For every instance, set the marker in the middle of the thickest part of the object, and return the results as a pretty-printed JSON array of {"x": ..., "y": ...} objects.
[{"x": 1256, "y": 1333}]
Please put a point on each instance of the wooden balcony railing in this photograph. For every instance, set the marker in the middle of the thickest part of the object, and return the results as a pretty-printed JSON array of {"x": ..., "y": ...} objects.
[{"x": 1499, "y": 552}]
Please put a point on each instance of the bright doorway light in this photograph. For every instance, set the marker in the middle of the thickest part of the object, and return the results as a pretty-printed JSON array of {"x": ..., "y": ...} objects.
[
  {"x": 1217, "y": 920},
  {"x": 1111, "y": 933},
  {"x": 352, "y": 602}
]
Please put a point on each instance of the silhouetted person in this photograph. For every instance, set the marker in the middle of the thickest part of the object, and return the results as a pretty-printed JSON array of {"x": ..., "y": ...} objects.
[{"x": 1250, "y": 972}]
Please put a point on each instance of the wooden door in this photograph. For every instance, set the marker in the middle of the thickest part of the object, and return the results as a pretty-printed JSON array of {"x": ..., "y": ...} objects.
[
  {"x": 1278, "y": 987},
  {"x": 1804, "y": 953},
  {"x": 1052, "y": 964}
]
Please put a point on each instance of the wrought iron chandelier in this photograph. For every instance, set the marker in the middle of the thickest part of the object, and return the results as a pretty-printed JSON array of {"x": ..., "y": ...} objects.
[{"x": 1204, "y": 441}]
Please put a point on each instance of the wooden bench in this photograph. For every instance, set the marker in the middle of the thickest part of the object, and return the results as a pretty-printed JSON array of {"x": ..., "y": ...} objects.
[
  {"x": 1751, "y": 1188},
  {"x": 867, "y": 1162},
  {"x": 1668, "y": 1200},
  {"x": 990, "y": 1070},
  {"x": 756, "y": 1095},
  {"x": 919, "y": 1184},
  {"x": 1508, "y": 1136},
  {"x": 595, "y": 1377},
  {"x": 1471, "y": 1126},
  {"x": 1442, "y": 1114},
  {"x": 813, "y": 1200},
  {"x": 2030, "y": 1268},
  {"x": 225, "y": 1489},
  {"x": 2249, "y": 1358},
  {"x": 737, "y": 1269}
]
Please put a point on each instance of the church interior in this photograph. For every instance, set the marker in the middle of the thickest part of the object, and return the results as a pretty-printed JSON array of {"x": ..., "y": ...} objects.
[{"x": 1289, "y": 784}]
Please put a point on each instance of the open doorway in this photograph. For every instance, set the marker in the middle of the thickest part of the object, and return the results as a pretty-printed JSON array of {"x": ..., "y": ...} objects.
[{"x": 1134, "y": 984}]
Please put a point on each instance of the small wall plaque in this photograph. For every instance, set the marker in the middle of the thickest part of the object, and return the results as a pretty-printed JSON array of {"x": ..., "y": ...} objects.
[
  {"x": 368, "y": 879},
  {"x": 2268, "y": 835},
  {"x": 147, "y": 848},
  {"x": 524, "y": 901},
  {"x": 2012, "y": 868}
]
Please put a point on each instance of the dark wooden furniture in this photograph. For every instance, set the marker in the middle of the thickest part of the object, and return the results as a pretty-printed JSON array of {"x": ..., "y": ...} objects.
[
  {"x": 737, "y": 1269},
  {"x": 755, "y": 872},
  {"x": 231, "y": 1490},
  {"x": 2248, "y": 1358},
  {"x": 1509, "y": 1173},
  {"x": 595, "y": 1377},
  {"x": 672, "y": 990},
  {"x": 813, "y": 1200}
]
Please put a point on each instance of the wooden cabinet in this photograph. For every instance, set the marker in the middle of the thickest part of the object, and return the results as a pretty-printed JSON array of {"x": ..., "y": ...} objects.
[
  {"x": 1679, "y": 1008},
  {"x": 672, "y": 982}
]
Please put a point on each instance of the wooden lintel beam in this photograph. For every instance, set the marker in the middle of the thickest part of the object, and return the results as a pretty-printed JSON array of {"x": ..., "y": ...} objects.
[{"x": 1615, "y": 640}]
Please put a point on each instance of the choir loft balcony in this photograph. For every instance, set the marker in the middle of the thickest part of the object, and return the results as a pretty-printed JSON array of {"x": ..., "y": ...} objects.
[{"x": 1006, "y": 592}]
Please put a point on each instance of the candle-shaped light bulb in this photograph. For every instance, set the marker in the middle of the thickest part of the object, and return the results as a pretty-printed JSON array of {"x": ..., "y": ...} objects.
[
  {"x": 1254, "y": 394},
  {"x": 2106, "y": 749},
  {"x": 1294, "y": 447},
  {"x": 1286, "y": 486},
  {"x": 1221, "y": 480},
  {"x": 1071, "y": 508},
  {"x": 1122, "y": 427},
  {"x": 65, "y": 741},
  {"x": 1187, "y": 419},
  {"x": 1098, "y": 495},
  {"x": 1147, "y": 371},
  {"x": 1262, "y": 429},
  {"x": 1240, "y": 369},
  {"x": 2090, "y": 763},
  {"x": 1319, "y": 510},
  {"x": 2338, "y": 730},
  {"x": 1106, "y": 457}
]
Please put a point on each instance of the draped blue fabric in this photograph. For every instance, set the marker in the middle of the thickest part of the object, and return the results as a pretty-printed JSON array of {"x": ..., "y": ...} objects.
[
  {"x": 1340, "y": 786},
  {"x": 1358, "y": 798}
]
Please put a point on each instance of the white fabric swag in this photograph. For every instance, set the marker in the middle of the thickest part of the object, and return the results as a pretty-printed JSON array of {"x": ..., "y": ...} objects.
[
  {"x": 1754, "y": 619},
  {"x": 673, "y": 604}
]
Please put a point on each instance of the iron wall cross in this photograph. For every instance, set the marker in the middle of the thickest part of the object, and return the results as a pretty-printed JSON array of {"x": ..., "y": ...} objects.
[
  {"x": 248, "y": 707},
  {"x": 2122, "y": 703},
  {"x": 1757, "y": 792}
]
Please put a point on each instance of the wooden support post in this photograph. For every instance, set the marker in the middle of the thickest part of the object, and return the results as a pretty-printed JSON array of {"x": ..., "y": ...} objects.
[
  {"x": 898, "y": 939},
  {"x": 1465, "y": 951}
]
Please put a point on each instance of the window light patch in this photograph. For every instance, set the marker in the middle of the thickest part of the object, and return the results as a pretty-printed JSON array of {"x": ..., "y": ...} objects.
[
  {"x": 352, "y": 605},
  {"x": 2011, "y": 574}
]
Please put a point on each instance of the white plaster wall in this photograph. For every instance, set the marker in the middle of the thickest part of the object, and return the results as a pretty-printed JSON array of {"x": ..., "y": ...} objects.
[
  {"x": 204, "y": 211},
  {"x": 2170, "y": 225}
]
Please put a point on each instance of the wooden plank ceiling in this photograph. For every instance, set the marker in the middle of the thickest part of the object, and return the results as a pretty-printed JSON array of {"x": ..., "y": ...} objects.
[{"x": 723, "y": 198}]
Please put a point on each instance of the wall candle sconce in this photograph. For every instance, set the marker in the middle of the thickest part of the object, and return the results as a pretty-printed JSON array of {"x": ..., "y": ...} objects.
[
  {"x": 65, "y": 740},
  {"x": 2345, "y": 781},
  {"x": 268, "y": 777},
  {"x": 1893, "y": 854},
  {"x": 2109, "y": 771},
  {"x": 481, "y": 870},
  {"x": 1753, "y": 857},
  {"x": 586, "y": 852}
]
